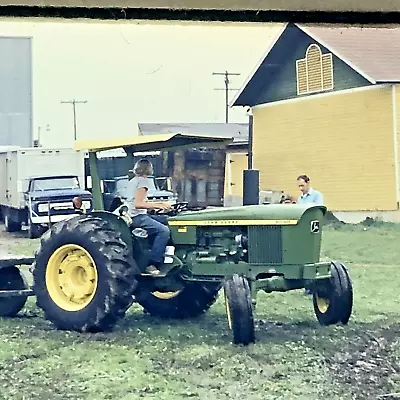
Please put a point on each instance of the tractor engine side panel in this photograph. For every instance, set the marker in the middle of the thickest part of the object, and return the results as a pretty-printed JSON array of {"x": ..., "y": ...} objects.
[
  {"x": 213, "y": 244},
  {"x": 183, "y": 234}
]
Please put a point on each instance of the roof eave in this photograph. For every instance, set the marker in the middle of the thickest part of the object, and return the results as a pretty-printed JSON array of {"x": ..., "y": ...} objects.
[
  {"x": 387, "y": 81},
  {"x": 236, "y": 99},
  {"x": 153, "y": 142}
]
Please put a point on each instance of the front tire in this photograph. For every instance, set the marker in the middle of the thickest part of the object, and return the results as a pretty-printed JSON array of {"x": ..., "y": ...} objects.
[
  {"x": 239, "y": 309},
  {"x": 333, "y": 298},
  {"x": 34, "y": 231},
  {"x": 84, "y": 275}
]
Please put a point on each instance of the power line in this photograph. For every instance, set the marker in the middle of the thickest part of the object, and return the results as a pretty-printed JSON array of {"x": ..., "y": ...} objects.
[
  {"x": 74, "y": 102},
  {"x": 226, "y": 74}
]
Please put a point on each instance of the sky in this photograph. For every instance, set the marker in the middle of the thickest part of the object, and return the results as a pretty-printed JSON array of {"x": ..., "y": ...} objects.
[{"x": 134, "y": 72}]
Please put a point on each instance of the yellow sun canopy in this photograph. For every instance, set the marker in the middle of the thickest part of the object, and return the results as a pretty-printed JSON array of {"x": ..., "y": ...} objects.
[{"x": 156, "y": 142}]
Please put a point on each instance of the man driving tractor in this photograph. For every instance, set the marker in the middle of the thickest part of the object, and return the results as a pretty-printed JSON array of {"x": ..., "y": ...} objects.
[{"x": 137, "y": 208}]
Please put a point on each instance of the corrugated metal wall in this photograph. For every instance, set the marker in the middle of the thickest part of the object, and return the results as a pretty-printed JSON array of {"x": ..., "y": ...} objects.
[{"x": 16, "y": 91}]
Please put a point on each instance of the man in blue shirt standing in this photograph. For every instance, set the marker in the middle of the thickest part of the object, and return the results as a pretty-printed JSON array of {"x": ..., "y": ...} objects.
[{"x": 308, "y": 196}]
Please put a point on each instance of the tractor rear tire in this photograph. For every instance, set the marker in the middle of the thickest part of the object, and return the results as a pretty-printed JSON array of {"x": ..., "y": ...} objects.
[
  {"x": 239, "y": 309},
  {"x": 333, "y": 299},
  {"x": 84, "y": 275},
  {"x": 190, "y": 302},
  {"x": 11, "y": 278}
]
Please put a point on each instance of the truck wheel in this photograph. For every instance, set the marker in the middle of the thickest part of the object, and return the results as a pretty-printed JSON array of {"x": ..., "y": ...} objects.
[
  {"x": 10, "y": 225},
  {"x": 239, "y": 309},
  {"x": 84, "y": 275},
  {"x": 191, "y": 301},
  {"x": 11, "y": 278},
  {"x": 333, "y": 298},
  {"x": 34, "y": 231}
]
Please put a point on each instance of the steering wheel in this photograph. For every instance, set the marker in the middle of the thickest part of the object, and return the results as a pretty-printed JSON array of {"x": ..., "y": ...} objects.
[
  {"x": 176, "y": 208},
  {"x": 181, "y": 206}
]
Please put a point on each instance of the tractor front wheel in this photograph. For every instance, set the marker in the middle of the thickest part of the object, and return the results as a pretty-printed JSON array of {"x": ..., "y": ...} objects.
[
  {"x": 192, "y": 300},
  {"x": 84, "y": 275},
  {"x": 333, "y": 298},
  {"x": 239, "y": 309},
  {"x": 11, "y": 278}
]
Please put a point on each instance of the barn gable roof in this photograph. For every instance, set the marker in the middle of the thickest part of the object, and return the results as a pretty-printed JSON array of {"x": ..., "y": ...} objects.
[{"x": 372, "y": 51}]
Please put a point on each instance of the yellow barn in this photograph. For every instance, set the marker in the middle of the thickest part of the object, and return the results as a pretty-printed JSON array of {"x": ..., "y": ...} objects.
[{"x": 326, "y": 102}]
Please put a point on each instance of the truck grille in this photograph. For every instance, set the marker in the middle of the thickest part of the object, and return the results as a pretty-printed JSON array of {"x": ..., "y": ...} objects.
[{"x": 265, "y": 244}]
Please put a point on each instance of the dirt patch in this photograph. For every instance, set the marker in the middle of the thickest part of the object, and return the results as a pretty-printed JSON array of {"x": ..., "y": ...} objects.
[{"x": 366, "y": 364}]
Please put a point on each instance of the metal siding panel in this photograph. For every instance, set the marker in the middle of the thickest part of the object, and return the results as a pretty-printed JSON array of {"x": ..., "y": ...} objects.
[
  {"x": 14, "y": 197},
  {"x": 397, "y": 88},
  {"x": 16, "y": 92},
  {"x": 343, "y": 141}
]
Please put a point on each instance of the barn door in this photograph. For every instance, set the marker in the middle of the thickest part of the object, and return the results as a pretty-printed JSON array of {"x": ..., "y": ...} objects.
[{"x": 236, "y": 163}]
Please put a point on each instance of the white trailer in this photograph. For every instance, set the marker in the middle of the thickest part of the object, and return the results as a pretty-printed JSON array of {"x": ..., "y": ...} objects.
[{"x": 32, "y": 177}]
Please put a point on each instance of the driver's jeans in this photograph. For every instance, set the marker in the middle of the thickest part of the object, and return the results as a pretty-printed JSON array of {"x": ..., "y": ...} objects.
[{"x": 159, "y": 232}]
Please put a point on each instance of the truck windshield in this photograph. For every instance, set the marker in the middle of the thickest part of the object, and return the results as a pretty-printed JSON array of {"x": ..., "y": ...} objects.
[{"x": 69, "y": 182}]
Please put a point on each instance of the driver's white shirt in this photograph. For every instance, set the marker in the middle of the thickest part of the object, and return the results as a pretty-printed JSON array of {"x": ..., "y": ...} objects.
[{"x": 134, "y": 184}]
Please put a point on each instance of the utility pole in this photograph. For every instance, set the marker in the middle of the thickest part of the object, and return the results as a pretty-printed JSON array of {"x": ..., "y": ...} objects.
[
  {"x": 227, "y": 89},
  {"x": 74, "y": 102}
]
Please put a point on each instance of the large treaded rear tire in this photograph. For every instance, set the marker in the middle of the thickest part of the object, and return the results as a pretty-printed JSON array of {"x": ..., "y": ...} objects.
[
  {"x": 190, "y": 302},
  {"x": 114, "y": 266}
]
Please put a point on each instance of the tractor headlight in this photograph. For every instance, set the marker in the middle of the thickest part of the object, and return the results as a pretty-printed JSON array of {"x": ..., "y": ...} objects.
[
  {"x": 241, "y": 241},
  {"x": 238, "y": 240}
]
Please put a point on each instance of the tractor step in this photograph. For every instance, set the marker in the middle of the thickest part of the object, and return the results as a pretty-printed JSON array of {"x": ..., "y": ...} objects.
[
  {"x": 165, "y": 270},
  {"x": 16, "y": 293},
  {"x": 14, "y": 261},
  {"x": 144, "y": 274}
]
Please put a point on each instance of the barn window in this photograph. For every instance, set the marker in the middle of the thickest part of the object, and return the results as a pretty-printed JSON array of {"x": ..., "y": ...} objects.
[{"x": 314, "y": 72}]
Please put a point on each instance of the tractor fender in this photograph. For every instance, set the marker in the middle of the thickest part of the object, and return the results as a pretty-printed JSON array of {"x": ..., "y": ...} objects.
[{"x": 119, "y": 224}]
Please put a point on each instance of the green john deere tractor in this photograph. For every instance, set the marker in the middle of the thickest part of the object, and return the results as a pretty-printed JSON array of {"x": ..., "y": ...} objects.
[{"x": 88, "y": 269}]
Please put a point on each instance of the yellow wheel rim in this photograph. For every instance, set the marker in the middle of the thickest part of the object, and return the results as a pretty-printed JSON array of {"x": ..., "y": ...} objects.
[
  {"x": 228, "y": 311},
  {"x": 165, "y": 295},
  {"x": 322, "y": 304},
  {"x": 71, "y": 277}
]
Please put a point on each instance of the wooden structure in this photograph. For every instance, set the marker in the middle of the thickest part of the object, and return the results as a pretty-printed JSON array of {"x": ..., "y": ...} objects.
[{"x": 198, "y": 175}]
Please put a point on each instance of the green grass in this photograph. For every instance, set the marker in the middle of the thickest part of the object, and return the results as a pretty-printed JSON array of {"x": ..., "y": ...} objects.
[{"x": 294, "y": 357}]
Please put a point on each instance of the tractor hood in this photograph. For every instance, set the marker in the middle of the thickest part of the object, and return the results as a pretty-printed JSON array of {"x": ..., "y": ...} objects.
[{"x": 271, "y": 214}]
